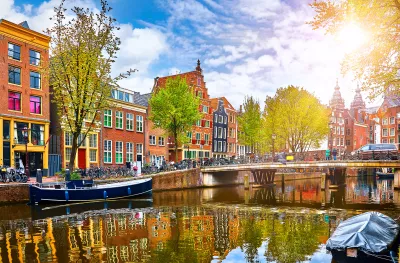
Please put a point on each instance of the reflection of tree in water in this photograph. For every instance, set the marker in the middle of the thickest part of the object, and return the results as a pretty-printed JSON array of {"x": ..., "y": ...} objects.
[
  {"x": 251, "y": 236},
  {"x": 176, "y": 251},
  {"x": 293, "y": 238}
]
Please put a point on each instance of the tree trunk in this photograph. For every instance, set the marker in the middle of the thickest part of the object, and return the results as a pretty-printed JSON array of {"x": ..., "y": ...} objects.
[
  {"x": 73, "y": 153},
  {"x": 176, "y": 147}
]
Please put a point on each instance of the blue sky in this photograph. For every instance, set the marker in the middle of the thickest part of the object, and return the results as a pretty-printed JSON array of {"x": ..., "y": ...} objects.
[{"x": 246, "y": 47}]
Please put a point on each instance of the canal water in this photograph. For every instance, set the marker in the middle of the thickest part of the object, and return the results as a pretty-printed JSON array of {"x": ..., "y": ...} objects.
[{"x": 286, "y": 223}]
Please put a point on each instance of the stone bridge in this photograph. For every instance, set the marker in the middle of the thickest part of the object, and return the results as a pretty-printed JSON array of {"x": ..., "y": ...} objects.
[{"x": 264, "y": 173}]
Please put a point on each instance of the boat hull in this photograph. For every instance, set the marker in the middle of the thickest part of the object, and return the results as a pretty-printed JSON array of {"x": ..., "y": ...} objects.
[{"x": 85, "y": 194}]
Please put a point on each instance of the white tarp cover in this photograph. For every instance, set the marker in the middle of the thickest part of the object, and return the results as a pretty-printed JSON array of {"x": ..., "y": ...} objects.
[{"x": 371, "y": 231}]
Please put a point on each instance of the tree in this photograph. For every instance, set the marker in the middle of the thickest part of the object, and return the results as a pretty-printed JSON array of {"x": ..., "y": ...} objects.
[
  {"x": 297, "y": 118},
  {"x": 376, "y": 63},
  {"x": 249, "y": 123},
  {"x": 174, "y": 108},
  {"x": 83, "y": 51}
]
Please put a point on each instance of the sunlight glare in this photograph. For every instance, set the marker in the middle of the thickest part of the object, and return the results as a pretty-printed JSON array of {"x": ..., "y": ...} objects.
[{"x": 352, "y": 37}]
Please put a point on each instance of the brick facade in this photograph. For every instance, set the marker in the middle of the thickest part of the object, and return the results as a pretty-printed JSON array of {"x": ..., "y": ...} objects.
[
  {"x": 123, "y": 131},
  {"x": 25, "y": 100},
  {"x": 201, "y": 133}
]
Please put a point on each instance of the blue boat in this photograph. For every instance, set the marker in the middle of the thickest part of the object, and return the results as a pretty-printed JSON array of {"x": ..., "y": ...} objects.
[{"x": 87, "y": 190}]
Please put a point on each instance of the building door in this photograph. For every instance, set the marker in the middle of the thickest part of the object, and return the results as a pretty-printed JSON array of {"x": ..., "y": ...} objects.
[{"x": 82, "y": 158}]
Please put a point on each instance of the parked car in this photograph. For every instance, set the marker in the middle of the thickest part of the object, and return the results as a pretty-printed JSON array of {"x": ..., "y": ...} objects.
[{"x": 382, "y": 151}]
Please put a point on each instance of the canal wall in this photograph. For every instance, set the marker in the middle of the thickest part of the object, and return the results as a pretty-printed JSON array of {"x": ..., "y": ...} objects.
[{"x": 174, "y": 180}]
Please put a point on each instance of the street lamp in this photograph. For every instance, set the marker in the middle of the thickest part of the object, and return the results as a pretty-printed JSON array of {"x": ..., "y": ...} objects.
[
  {"x": 331, "y": 127},
  {"x": 273, "y": 146}
]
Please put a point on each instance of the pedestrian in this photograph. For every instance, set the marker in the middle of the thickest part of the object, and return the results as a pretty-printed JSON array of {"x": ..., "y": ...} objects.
[
  {"x": 334, "y": 153},
  {"x": 327, "y": 154}
]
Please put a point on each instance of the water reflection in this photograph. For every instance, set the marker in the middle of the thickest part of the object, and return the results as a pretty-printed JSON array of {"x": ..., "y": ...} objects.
[
  {"x": 284, "y": 223},
  {"x": 191, "y": 234}
]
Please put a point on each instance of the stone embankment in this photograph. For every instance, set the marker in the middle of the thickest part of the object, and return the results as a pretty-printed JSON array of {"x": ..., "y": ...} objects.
[{"x": 174, "y": 180}]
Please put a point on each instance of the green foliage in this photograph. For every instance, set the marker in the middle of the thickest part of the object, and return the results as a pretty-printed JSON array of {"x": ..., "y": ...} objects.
[
  {"x": 75, "y": 176},
  {"x": 296, "y": 117},
  {"x": 83, "y": 51},
  {"x": 376, "y": 64},
  {"x": 250, "y": 123},
  {"x": 174, "y": 108}
]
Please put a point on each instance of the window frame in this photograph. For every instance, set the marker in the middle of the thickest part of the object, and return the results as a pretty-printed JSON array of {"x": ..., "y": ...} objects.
[
  {"x": 40, "y": 104},
  {"x": 108, "y": 151},
  {"x": 34, "y": 58},
  {"x": 119, "y": 150},
  {"x": 162, "y": 140},
  {"x": 9, "y": 50},
  {"x": 129, "y": 151},
  {"x": 139, "y": 123},
  {"x": 14, "y": 73},
  {"x": 152, "y": 140},
  {"x": 90, "y": 155},
  {"x": 108, "y": 115},
  {"x": 129, "y": 121},
  {"x": 14, "y": 99},
  {"x": 119, "y": 119},
  {"x": 34, "y": 78}
]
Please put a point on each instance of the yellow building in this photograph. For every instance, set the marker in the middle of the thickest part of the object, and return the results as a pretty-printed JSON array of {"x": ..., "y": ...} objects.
[{"x": 24, "y": 104}]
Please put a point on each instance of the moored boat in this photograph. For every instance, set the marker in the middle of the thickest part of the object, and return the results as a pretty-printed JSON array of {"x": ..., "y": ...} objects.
[
  {"x": 87, "y": 190},
  {"x": 369, "y": 237},
  {"x": 385, "y": 173}
]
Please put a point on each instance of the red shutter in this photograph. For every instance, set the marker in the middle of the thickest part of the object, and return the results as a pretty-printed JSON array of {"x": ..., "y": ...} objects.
[
  {"x": 209, "y": 110},
  {"x": 200, "y": 107},
  {"x": 203, "y": 142},
  {"x": 193, "y": 141},
  {"x": 203, "y": 123},
  {"x": 211, "y": 124}
]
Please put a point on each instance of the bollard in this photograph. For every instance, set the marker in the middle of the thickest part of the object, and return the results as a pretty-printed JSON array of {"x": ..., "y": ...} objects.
[
  {"x": 39, "y": 176},
  {"x": 246, "y": 181},
  {"x": 67, "y": 175},
  {"x": 323, "y": 179}
]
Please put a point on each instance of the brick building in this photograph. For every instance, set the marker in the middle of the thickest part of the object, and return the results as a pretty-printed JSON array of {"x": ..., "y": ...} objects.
[
  {"x": 388, "y": 120},
  {"x": 156, "y": 140},
  {"x": 200, "y": 135},
  {"x": 24, "y": 107},
  {"x": 123, "y": 130},
  {"x": 231, "y": 125},
  {"x": 220, "y": 129},
  {"x": 336, "y": 138}
]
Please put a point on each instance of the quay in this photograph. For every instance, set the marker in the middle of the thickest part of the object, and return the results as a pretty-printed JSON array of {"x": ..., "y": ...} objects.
[{"x": 259, "y": 174}]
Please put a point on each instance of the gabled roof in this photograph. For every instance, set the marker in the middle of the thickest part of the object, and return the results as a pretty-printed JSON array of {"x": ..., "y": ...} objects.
[
  {"x": 24, "y": 24},
  {"x": 142, "y": 99}
]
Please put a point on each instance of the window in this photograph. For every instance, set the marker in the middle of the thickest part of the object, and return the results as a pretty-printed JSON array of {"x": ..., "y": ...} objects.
[
  {"x": 108, "y": 118},
  {"x": 391, "y": 131},
  {"x": 226, "y": 120},
  {"x": 348, "y": 132},
  {"x": 37, "y": 134},
  {"x": 129, "y": 97},
  {"x": 219, "y": 146},
  {"x": 198, "y": 81},
  {"x": 215, "y": 132},
  {"x": 342, "y": 141},
  {"x": 385, "y": 121},
  {"x": 198, "y": 138},
  {"x": 129, "y": 121},
  {"x": 385, "y": 132},
  {"x": 224, "y": 133},
  {"x": 207, "y": 124},
  {"x": 391, "y": 140},
  {"x": 14, "y": 101},
  {"x": 139, "y": 123},
  {"x": 34, "y": 57},
  {"x": 161, "y": 141},
  {"x": 20, "y": 132},
  {"x": 189, "y": 135},
  {"x": 68, "y": 139},
  {"x": 220, "y": 132},
  {"x": 391, "y": 120},
  {"x": 93, "y": 140},
  {"x": 14, "y": 51},
  {"x": 205, "y": 109},
  {"x": 152, "y": 140},
  {"x": 198, "y": 123},
  {"x": 200, "y": 94},
  {"x": 384, "y": 141},
  {"x": 93, "y": 155},
  {"x": 215, "y": 118},
  {"x": 342, "y": 129},
  {"x": 82, "y": 139},
  {"x": 224, "y": 149},
  {"x": 348, "y": 142},
  {"x": 119, "y": 120},
  {"x": 68, "y": 152},
  {"x": 220, "y": 119},
  {"x": 107, "y": 151},
  {"x": 129, "y": 152},
  {"x": 34, "y": 80},
  {"x": 139, "y": 148},
  {"x": 14, "y": 75},
  {"x": 118, "y": 152},
  {"x": 6, "y": 130},
  {"x": 206, "y": 138},
  {"x": 36, "y": 104},
  {"x": 215, "y": 145}
]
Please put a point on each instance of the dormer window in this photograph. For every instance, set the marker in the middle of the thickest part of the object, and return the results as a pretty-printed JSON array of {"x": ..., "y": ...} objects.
[{"x": 198, "y": 81}]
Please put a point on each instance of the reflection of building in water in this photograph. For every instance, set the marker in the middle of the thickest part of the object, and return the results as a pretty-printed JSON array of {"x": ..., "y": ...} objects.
[
  {"x": 202, "y": 228},
  {"x": 221, "y": 231},
  {"x": 367, "y": 189},
  {"x": 159, "y": 229}
]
